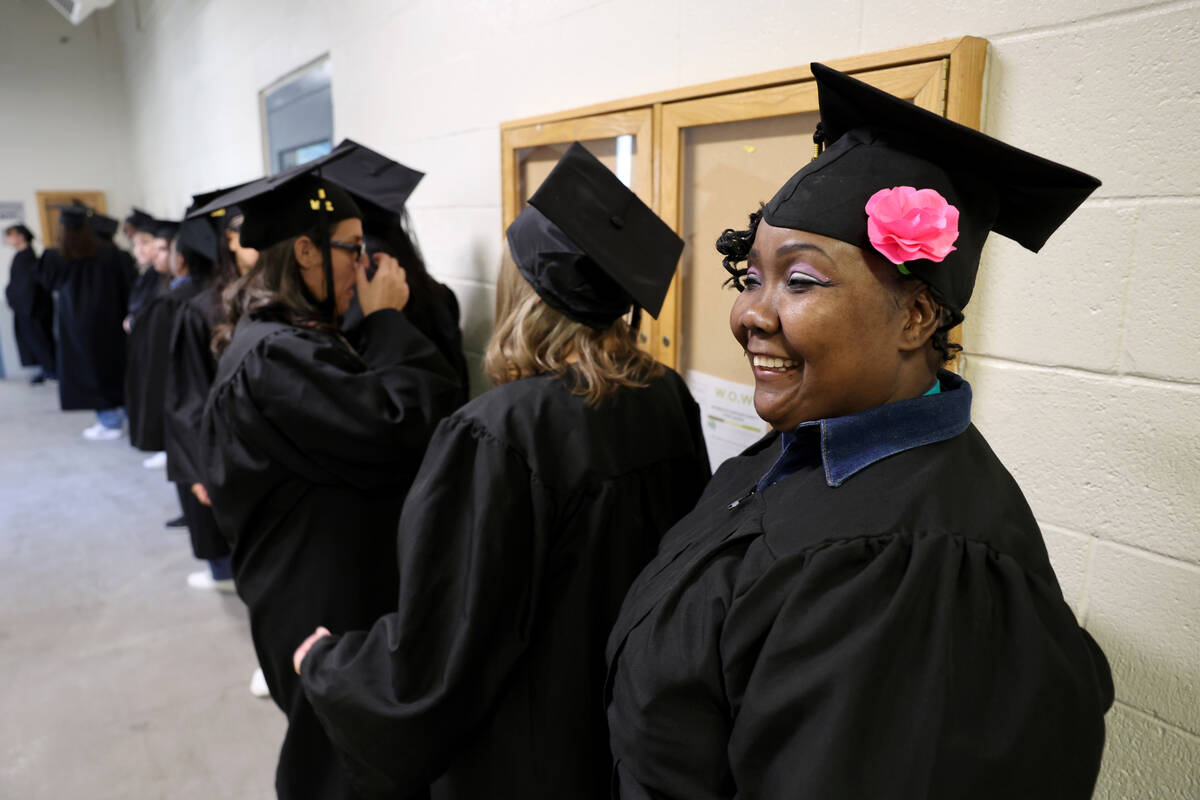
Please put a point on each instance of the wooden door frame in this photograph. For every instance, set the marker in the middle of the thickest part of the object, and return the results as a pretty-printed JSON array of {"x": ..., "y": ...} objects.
[
  {"x": 634, "y": 122},
  {"x": 924, "y": 83},
  {"x": 46, "y": 198},
  {"x": 962, "y": 63}
]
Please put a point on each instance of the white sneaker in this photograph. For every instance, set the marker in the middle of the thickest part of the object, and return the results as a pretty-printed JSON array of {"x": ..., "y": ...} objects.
[
  {"x": 258, "y": 684},
  {"x": 156, "y": 461},
  {"x": 203, "y": 579},
  {"x": 99, "y": 433}
]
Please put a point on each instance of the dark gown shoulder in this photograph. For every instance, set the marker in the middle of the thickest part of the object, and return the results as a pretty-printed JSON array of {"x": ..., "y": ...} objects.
[
  {"x": 191, "y": 368},
  {"x": 532, "y": 513},
  {"x": 520, "y": 412},
  {"x": 309, "y": 447},
  {"x": 901, "y": 634},
  {"x": 148, "y": 359},
  {"x": 92, "y": 294}
]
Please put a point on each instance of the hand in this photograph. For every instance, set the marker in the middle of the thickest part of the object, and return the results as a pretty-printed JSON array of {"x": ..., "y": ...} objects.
[
  {"x": 306, "y": 645},
  {"x": 201, "y": 493},
  {"x": 388, "y": 289},
  {"x": 127, "y": 323}
]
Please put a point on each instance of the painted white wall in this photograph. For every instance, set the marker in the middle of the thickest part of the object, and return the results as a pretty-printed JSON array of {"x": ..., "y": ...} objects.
[
  {"x": 63, "y": 120},
  {"x": 1085, "y": 359}
]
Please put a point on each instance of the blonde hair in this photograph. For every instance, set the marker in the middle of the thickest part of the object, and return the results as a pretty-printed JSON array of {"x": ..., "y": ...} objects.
[{"x": 531, "y": 338}]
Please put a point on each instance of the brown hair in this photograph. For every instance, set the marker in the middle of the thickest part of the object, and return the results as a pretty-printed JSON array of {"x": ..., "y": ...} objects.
[
  {"x": 76, "y": 244},
  {"x": 531, "y": 338},
  {"x": 274, "y": 289}
]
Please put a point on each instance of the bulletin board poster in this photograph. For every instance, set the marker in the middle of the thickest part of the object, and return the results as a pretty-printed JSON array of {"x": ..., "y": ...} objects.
[
  {"x": 13, "y": 210},
  {"x": 726, "y": 415}
]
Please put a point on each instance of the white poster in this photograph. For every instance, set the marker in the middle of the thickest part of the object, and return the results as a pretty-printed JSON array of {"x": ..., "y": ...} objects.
[
  {"x": 726, "y": 414},
  {"x": 13, "y": 210}
]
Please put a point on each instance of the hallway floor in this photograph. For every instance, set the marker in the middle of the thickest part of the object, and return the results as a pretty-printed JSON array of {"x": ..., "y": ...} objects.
[{"x": 117, "y": 680}]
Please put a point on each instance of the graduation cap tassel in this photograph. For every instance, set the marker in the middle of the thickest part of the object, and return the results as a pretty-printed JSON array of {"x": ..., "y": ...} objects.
[
  {"x": 818, "y": 141},
  {"x": 330, "y": 302}
]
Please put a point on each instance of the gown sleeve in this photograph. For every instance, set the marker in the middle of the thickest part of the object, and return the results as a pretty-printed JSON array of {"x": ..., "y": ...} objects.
[
  {"x": 336, "y": 418},
  {"x": 190, "y": 371},
  {"x": 396, "y": 699},
  {"x": 925, "y": 666}
]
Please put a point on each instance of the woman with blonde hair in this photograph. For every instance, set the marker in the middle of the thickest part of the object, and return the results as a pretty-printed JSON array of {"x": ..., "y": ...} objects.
[{"x": 536, "y": 505}]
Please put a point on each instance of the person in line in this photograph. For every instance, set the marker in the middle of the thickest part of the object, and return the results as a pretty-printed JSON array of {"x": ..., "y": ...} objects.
[
  {"x": 146, "y": 371},
  {"x": 861, "y": 605},
  {"x": 32, "y": 306},
  {"x": 191, "y": 367},
  {"x": 536, "y": 505},
  {"x": 92, "y": 292},
  {"x": 149, "y": 281},
  {"x": 190, "y": 370},
  {"x": 192, "y": 251},
  {"x": 106, "y": 228},
  {"x": 432, "y": 308},
  {"x": 309, "y": 445}
]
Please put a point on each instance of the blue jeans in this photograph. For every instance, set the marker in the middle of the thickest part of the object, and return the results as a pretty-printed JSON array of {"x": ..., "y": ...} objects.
[
  {"x": 112, "y": 418},
  {"x": 221, "y": 568}
]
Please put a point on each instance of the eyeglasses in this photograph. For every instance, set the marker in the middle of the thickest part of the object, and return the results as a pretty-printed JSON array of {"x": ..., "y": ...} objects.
[{"x": 357, "y": 248}]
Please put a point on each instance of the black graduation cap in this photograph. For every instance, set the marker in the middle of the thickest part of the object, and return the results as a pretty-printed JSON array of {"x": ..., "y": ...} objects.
[
  {"x": 197, "y": 239},
  {"x": 291, "y": 209},
  {"x": 881, "y": 142},
  {"x": 289, "y": 203},
  {"x": 141, "y": 221},
  {"x": 73, "y": 216},
  {"x": 218, "y": 215},
  {"x": 166, "y": 229},
  {"x": 380, "y": 185},
  {"x": 589, "y": 246},
  {"x": 104, "y": 226}
]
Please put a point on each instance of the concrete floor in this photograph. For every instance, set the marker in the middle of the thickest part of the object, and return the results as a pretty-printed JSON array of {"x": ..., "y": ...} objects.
[{"x": 116, "y": 679}]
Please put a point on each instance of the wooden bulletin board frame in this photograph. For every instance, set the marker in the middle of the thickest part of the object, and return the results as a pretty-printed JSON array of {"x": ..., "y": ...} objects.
[
  {"x": 945, "y": 76},
  {"x": 48, "y": 215}
]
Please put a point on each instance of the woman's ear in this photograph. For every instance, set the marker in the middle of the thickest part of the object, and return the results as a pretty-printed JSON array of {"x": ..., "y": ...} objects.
[
  {"x": 306, "y": 253},
  {"x": 923, "y": 316}
]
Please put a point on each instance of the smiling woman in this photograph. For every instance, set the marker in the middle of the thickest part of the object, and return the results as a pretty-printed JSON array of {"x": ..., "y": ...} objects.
[
  {"x": 830, "y": 329},
  {"x": 861, "y": 604}
]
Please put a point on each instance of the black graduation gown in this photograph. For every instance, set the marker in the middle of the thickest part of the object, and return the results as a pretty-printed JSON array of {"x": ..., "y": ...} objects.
[
  {"x": 532, "y": 514},
  {"x": 191, "y": 368},
  {"x": 146, "y": 372},
  {"x": 440, "y": 322},
  {"x": 33, "y": 312},
  {"x": 436, "y": 316},
  {"x": 900, "y": 635},
  {"x": 91, "y": 297},
  {"x": 145, "y": 288},
  {"x": 309, "y": 449},
  {"x": 127, "y": 264}
]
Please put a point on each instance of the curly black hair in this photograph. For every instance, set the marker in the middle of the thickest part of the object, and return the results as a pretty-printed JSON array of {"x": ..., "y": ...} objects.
[{"x": 735, "y": 246}]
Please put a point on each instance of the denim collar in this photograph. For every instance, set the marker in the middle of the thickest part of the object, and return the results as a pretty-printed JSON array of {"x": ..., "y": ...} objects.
[{"x": 846, "y": 445}]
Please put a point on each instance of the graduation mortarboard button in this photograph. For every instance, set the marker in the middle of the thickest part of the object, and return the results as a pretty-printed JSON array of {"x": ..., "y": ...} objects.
[
  {"x": 357, "y": 182},
  {"x": 605, "y": 220},
  {"x": 881, "y": 149},
  {"x": 205, "y": 198}
]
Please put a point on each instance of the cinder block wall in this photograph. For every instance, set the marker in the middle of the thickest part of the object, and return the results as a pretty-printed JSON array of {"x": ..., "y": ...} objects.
[{"x": 1085, "y": 358}]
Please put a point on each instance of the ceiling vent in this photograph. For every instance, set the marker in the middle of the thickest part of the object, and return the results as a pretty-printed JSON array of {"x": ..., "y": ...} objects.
[{"x": 76, "y": 11}]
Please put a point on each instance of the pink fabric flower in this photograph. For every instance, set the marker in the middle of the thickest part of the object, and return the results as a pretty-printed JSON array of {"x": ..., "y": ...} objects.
[{"x": 905, "y": 223}]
